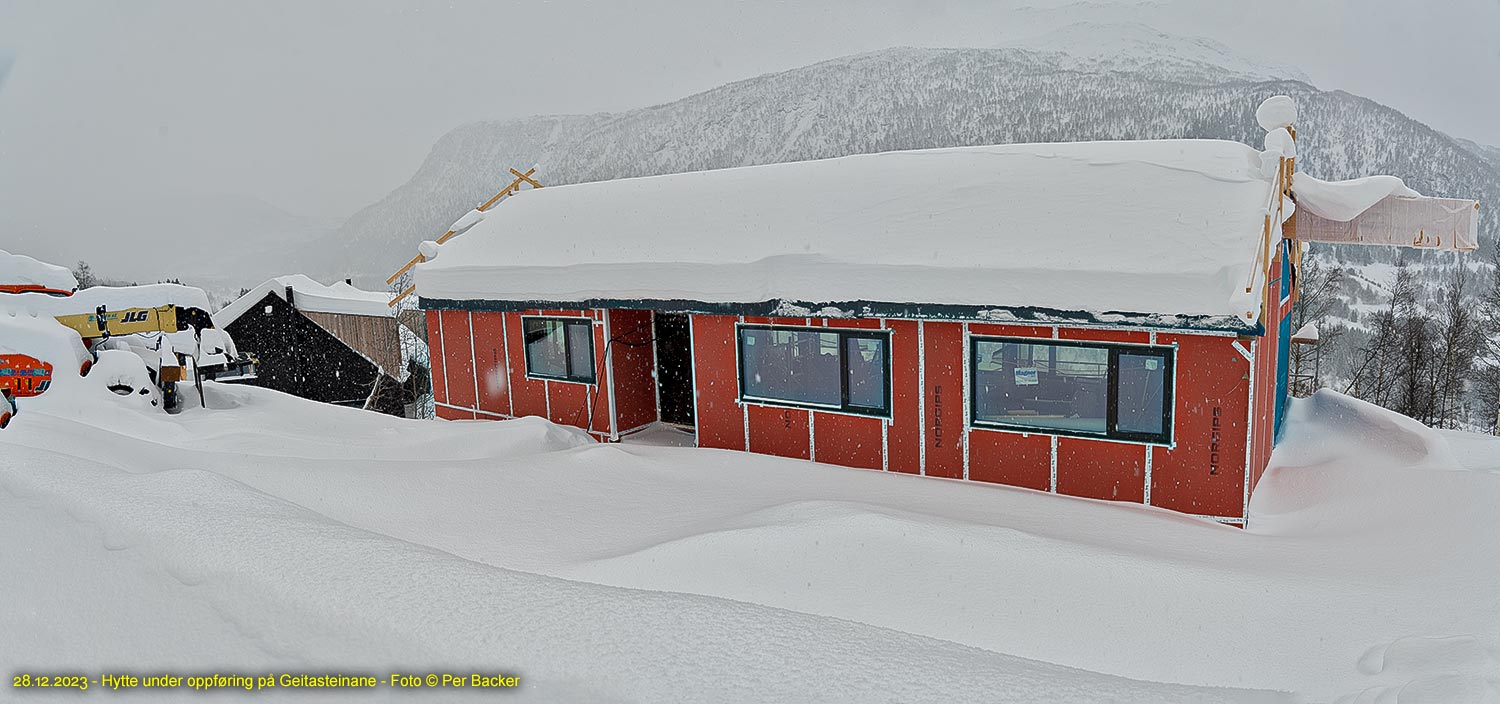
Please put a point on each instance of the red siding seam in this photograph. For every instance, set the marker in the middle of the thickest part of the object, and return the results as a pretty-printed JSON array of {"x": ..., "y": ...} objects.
[
  {"x": 1176, "y": 388},
  {"x": 744, "y": 407},
  {"x": 655, "y": 371},
  {"x": 1250, "y": 434},
  {"x": 922, "y": 397},
  {"x": 609, "y": 380},
  {"x": 693, "y": 371},
  {"x": 1053, "y": 488},
  {"x": 964, "y": 437},
  {"x": 474, "y": 364},
  {"x": 885, "y": 423},
  {"x": 510, "y": 396},
  {"x": 443, "y": 352}
]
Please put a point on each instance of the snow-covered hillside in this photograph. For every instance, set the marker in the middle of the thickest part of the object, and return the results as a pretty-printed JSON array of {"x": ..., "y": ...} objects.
[
  {"x": 271, "y": 533},
  {"x": 906, "y": 99},
  {"x": 1139, "y": 48}
]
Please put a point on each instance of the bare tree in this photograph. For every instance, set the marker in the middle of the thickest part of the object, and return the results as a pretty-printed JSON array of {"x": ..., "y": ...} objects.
[
  {"x": 1458, "y": 337},
  {"x": 85, "y": 275},
  {"x": 1413, "y": 372},
  {"x": 1378, "y": 366},
  {"x": 1319, "y": 292},
  {"x": 1487, "y": 376}
]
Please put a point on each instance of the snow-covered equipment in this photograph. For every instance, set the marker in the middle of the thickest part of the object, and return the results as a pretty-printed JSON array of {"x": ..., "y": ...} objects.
[
  {"x": 22, "y": 274},
  {"x": 167, "y": 326}
]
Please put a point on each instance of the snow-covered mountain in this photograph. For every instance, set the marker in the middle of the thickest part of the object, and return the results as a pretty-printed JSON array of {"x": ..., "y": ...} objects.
[
  {"x": 1138, "y": 48},
  {"x": 906, "y": 98}
]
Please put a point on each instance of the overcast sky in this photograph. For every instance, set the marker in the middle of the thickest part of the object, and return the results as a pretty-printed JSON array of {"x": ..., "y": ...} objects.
[{"x": 322, "y": 107}]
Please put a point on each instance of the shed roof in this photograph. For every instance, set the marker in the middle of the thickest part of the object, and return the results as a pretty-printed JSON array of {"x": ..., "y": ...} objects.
[
  {"x": 1156, "y": 229},
  {"x": 339, "y": 298}
]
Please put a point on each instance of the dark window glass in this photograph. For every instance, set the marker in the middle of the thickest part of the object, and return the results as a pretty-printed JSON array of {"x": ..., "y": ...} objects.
[
  {"x": 1141, "y": 393},
  {"x": 1041, "y": 386},
  {"x": 791, "y": 365},
  {"x": 559, "y": 348},
  {"x": 580, "y": 350},
  {"x": 846, "y": 370},
  {"x": 866, "y": 365},
  {"x": 1074, "y": 388}
]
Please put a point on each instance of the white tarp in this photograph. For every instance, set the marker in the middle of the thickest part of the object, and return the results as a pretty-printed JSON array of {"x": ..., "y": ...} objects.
[
  {"x": 1426, "y": 223},
  {"x": 1382, "y": 210}
]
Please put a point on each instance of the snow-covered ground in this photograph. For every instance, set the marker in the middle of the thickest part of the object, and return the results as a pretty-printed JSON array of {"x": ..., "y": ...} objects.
[{"x": 270, "y": 533}]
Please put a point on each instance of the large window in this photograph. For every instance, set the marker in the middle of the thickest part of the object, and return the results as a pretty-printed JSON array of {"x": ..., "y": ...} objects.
[
  {"x": 559, "y": 348},
  {"x": 836, "y": 369},
  {"x": 1073, "y": 388}
]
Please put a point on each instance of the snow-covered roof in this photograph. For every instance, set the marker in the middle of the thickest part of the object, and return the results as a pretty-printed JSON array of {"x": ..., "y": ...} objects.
[
  {"x": 310, "y": 296},
  {"x": 21, "y": 270},
  {"x": 111, "y": 297},
  {"x": 1155, "y": 228}
]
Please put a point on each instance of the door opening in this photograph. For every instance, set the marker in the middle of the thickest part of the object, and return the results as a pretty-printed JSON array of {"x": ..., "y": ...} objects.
[{"x": 674, "y": 368}]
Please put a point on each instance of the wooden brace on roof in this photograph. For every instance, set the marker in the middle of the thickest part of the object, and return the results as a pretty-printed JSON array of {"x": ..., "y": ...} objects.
[{"x": 512, "y": 189}]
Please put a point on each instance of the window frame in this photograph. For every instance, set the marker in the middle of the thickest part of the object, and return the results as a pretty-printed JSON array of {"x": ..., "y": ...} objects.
[
  {"x": 844, "y": 335},
  {"x": 1167, "y": 353},
  {"x": 569, "y": 375}
]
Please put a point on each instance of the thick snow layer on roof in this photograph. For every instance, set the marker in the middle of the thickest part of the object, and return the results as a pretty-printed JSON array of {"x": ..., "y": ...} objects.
[
  {"x": 21, "y": 270},
  {"x": 310, "y": 296},
  {"x": 1159, "y": 228},
  {"x": 1343, "y": 201}
]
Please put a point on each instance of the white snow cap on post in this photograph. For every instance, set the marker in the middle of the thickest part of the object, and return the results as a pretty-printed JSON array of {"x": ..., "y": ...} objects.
[
  {"x": 1276, "y": 112},
  {"x": 1279, "y": 141},
  {"x": 429, "y": 249}
]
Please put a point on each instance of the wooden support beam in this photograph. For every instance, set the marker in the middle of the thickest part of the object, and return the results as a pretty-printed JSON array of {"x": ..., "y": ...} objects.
[
  {"x": 526, "y": 177},
  {"x": 399, "y": 296},
  {"x": 414, "y": 261},
  {"x": 513, "y": 188}
]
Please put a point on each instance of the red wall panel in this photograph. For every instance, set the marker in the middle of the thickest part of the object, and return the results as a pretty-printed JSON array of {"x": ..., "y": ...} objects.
[
  {"x": 1103, "y": 335},
  {"x": 904, "y": 439},
  {"x": 435, "y": 357},
  {"x": 634, "y": 382},
  {"x": 944, "y": 343},
  {"x": 569, "y": 402},
  {"x": 1205, "y": 472},
  {"x": 1011, "y": 458},
  {"x": 494, "y": 366},
  {"x": 779, "y": 431},
  {"x": 528, "y": 397},
  {"x": 1101, "y": 470},
  {"x": 846, "y": 440},
  {"x": 721, "y": 422},
  {"x": 458, "y": 358},
  {"x": 997, "y": 330}
]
